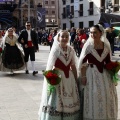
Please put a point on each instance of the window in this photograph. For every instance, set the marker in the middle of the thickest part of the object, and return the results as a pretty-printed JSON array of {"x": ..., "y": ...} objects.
[
  {"x": 81, "y": 25},
  {"x": 72, "y": 1},
  {"x": 64, "y": 26},
  {"x": 63, "y": 14},
  {"x": 46, "y": 20},
  {"x": 52, "y": 2},
  {"x": 91, "y": 23},
  {"x": 116, "y": 5},
  {"x": 81, "y": 10},
  {"x": 67, "y": 10},
  {"x": 72, "y": 10},
  {"x": 46, "y": 2},
  {"x": 64, "y": 2},
  {"x": 102, "y": 3},
  {"x": 90, "y": 8},
  {"x": 53, "y": 12},
  {"x": 102, "y": 8},
  {"x": 71, "y": 24}
]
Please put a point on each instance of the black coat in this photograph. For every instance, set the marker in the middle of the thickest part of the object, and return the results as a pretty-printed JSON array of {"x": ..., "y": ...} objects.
[
  {"x": 24, "y": 36},
  {"x": 110, "y": 36}
]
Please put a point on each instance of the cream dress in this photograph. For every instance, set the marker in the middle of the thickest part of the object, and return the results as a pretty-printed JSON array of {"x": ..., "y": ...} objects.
[{"x": 64, "y": 102}]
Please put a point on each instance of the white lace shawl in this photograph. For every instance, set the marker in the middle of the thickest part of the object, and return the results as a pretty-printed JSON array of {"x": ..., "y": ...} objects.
[
  {"x": 89, "y": 48},
  {"x": 15, "y": 38},
  {"x": 55, "y": 52}
]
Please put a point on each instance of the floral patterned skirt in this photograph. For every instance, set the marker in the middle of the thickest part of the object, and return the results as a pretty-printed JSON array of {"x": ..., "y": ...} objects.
[
  {"x": 100, "y": 96},
  {"x": 63, "y": 103}
]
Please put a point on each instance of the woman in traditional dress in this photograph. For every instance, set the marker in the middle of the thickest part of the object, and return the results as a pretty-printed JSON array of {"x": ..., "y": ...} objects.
[
  {"x": 1, "y": 39},
  {"x": 12, "y": 57},
  {"x": 100, "y": 96},
  {"x": 64, "y": 102}
]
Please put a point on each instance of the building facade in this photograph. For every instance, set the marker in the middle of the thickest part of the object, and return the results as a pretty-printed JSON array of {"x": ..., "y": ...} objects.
[
  {"x": 85, "y": 13},
  {"x": 26, "y": 11},
  {"x": 51, "y": 6}
]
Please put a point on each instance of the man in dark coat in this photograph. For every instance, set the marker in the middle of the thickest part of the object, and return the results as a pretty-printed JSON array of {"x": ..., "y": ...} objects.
[
  {"x": 111, "y": 38},
  {"x": 28, "y": 39}
]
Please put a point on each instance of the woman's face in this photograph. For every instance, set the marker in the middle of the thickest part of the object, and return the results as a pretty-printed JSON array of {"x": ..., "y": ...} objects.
[
  {"x": 63, "y": 38},
  {"x": 95, "y": 33},
  {"x": 10, "y": 32}
]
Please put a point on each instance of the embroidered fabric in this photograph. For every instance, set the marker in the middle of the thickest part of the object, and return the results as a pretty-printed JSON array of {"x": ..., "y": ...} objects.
[
  {"x": 4, "y": 39},
  {"x": 89, "y": 48},
  {"x": 55, "y": 53}
]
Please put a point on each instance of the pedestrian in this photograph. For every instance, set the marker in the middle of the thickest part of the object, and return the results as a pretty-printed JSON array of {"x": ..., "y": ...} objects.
[
  {"x": 28, "y": 39},
  {"x": 1, "y": 40},
  {"x": 72, "y": 34},
  {"x": 64, "y": 102},
  {"x": 12, "y": 57},
  {"x": 110, "y": 34},
  {"x": 50, "y": 39},
  {"x": 100, "y": 96},
  {"x": 82, "y": 39}
]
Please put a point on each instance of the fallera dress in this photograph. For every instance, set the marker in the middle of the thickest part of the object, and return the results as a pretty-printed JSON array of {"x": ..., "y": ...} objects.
[
  {"x": 64, "y": 102},
  {"x": 12, "y": 57},
  {"x": 100, "y": 96}
]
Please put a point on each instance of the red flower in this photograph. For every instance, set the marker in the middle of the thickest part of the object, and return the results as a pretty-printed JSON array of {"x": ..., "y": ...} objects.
[
  {"x": 111, "y": 65},
  {"x": 49, "y": 75},
  {"x": 53, "y": 82},
  {"x": 54, "y": 76}
]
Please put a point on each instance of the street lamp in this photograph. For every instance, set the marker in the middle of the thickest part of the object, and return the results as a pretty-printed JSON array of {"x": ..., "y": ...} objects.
[{"x": 70, "y": 16}]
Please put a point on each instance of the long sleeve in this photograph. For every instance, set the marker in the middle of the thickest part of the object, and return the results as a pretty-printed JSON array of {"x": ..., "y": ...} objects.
[{"x": 52, "y": 59}]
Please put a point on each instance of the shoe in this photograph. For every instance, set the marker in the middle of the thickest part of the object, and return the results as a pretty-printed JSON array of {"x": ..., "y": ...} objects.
[
  {"x": 27, "y": 72},
  {"x": 35, "y": 72}
]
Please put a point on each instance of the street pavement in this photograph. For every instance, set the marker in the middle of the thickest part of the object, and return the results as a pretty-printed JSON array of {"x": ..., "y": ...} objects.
[{"x": 20, "y": 94}]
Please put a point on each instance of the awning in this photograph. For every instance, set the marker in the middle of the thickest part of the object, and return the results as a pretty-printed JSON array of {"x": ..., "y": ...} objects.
[{"x": 109, "y": 18}]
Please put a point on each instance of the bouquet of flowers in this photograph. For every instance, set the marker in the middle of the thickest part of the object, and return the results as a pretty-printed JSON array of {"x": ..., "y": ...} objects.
[
  {"x": 53, "y": 78},
  {"x": 113, "y": 68}
]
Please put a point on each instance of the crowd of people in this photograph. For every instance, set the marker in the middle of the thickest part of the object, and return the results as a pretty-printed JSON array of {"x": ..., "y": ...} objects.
[{"x": 86, "y": 90}]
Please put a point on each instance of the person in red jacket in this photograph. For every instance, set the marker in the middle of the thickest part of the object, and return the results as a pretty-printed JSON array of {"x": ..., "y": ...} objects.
[
  {"x": 50, "y": 39},
  {"x": 82, "y": 39}
]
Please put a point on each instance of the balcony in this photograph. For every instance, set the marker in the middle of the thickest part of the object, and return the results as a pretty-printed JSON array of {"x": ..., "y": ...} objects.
[
  {"x": 90, "y": 11},
  {"x": 80, "y": 12}
]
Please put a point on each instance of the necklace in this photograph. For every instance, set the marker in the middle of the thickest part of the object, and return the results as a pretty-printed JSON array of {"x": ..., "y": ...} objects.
[
  {"x": 98, "y": 45},
  {"x": 65, "y": 53}
]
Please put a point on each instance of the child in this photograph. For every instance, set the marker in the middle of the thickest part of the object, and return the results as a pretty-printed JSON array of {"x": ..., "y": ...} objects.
[{"x": 63, "y": 103}]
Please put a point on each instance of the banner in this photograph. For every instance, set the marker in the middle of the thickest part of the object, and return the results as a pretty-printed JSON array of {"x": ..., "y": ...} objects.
[
  {"x": 68, "y": 10},
  {"x": 6, "y": 16},
  {"x": 41, "y": 17},
  {"x": 6, "y": 0}
]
